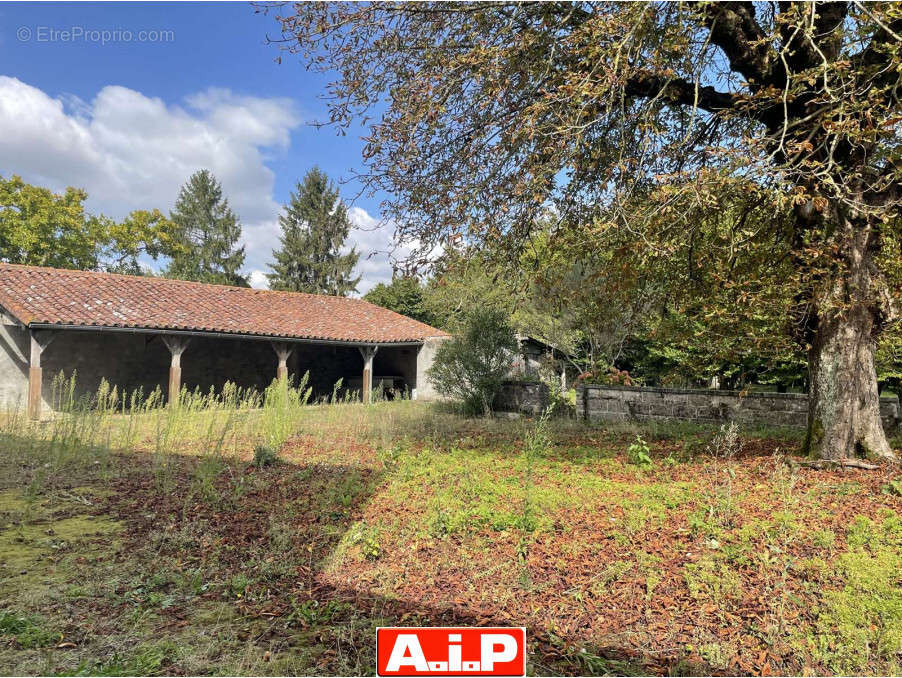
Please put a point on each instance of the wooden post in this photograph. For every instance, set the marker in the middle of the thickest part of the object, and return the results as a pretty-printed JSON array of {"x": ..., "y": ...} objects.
[
  {"x": 368, "y": 353},
  {"x": 283, "y": 352},
  {"x": 39, "y": 341},
  {"x": 176, "y": 346}
]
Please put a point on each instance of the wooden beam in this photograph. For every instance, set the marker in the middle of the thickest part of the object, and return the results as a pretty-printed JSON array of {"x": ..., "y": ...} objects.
[
  {"x": 176, "y": 346},
  {"x": 368, "y": 353},
  {"x": 39, "y": 341},
  {"x": 283, "y": 352}
]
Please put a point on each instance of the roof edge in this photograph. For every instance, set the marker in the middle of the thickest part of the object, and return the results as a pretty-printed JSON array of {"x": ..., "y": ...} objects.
[{"x": 221, "y": 335}]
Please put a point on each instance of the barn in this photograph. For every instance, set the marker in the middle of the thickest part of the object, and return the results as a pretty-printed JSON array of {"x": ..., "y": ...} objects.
[{"x": 146, "y": 332}]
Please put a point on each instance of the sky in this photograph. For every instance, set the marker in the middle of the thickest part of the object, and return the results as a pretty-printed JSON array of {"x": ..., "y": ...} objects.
[{"x": 127, "y": 100}]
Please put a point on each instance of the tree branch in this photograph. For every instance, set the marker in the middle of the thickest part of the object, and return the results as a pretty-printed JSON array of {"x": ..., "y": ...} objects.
[
  {"x": 680, "y": 92},
  {"x": 736, "y": 32}
]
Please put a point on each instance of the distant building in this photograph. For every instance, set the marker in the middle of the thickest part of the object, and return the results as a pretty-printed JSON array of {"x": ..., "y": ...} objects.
[
  {"x": 146, "y": 332},
  {"x": 536, "y": 355}
]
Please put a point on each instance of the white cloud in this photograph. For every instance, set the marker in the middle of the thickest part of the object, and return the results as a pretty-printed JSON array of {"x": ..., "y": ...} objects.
[
  {"x": 379, "y": 248},
  {"x": 131, "y": 151},
  {"x": 258, "y": 279},
  {"x": 375, "y": 243}
]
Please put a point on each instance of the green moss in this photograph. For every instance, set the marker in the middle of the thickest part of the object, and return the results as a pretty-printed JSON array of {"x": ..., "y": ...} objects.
[
  {"x": 859, "y": 626},
  {"x": 717, "y": 656},
  {"x": 813, "y": 438},
  {"x": 823, "y": 539},
  {"x": 712, "y": 579},
  {"x": 860, "y": 532},
  {"x": 39, "y": 551},
  {"x": 12, "y": 503}
]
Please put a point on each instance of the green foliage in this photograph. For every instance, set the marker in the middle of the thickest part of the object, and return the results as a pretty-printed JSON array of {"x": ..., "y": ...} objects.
[
  {"x": 28, "y": 630},
  {"x": 471, "y": 366},
  {"x": 315, "y": 226},
  {"x": 404, "y": 295},
  {"x": 264, "y": 456},
  {"x": 146, "y": 232},
  {"x": 282, "y": 404},
  {"x": 46, "y": 229},
  {"x": 207, "y": 232},
  {"x": 42, "y": 228},
  {"x": 889, "y": 360},
  {"x": 367, "y": 539},
  {"x": 697, "y": 174},
  {"x": 638, "y": 453}
]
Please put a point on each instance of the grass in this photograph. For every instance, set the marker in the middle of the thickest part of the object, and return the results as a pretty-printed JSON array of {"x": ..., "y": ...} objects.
[{"x": 148, "y": 540}]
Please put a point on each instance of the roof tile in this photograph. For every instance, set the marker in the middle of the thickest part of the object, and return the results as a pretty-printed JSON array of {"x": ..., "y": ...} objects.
[{"x": 36, "y": 295}]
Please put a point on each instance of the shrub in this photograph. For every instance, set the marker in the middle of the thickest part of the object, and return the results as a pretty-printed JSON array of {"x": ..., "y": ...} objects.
[
  {"x": 639, "y": 453},
  {"x": 264, "y": 456},
  {"x": 471, "y": 366}
]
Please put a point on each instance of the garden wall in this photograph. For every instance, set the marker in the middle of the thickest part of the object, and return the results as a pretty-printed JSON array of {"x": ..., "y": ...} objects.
[{"x": 620, "y": 403}]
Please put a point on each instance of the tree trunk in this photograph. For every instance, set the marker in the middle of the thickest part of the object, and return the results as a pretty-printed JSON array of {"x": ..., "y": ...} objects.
[
  {"x": 844, "y": 403},
  {"x": 844, "y": 406}
]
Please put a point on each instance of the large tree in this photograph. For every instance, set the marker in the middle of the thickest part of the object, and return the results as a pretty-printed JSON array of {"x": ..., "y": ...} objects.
[
  {"x": 405, "y": 295},
  {"x": 207, "y": 234},
  {"x": 315, "y": 226},
  {"x": 486, "y": 113},
  {"x": 43, "y": 228}
]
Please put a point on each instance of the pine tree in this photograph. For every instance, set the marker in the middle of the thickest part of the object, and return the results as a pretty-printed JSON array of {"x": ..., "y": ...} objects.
[
  {"x": 315, "y": 226},
  {"x": 207, "y": 231}
]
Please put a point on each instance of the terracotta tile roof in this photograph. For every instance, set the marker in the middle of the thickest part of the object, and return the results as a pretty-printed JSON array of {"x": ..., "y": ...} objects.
[{"x": 36, "y": 295}]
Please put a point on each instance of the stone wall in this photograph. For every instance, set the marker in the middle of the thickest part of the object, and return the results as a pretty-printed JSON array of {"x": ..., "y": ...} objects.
[
  {"x": 528, "y": 397},
  {"x": 622, "y": 403},
  {"x": 769, "y": 409}
]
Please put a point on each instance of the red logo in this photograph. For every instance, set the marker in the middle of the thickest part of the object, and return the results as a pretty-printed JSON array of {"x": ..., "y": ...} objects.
[{"x": 450, "y": 651}]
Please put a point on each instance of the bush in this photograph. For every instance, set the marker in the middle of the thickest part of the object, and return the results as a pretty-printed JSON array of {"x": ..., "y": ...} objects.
[
  {"x": 639, "y": 453},
  {"x": 264, "y": 456},
  {"x": 471, "y": 366}
]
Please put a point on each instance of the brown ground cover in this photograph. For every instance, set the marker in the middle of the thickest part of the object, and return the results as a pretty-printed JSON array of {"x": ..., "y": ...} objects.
[{"x": 698, "y": 552}]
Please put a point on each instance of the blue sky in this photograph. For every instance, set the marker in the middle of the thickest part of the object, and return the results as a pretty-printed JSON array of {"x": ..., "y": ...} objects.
[{"x": 169, "y": 88}]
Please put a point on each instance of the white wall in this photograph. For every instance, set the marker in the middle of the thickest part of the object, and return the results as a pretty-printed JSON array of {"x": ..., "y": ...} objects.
[
  {"x": 425, "y": 390},
  {"x": 14, "y": 370}
]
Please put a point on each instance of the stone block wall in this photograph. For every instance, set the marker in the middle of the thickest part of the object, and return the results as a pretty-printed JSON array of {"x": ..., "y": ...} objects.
[
  {"x": 769, "y": 409},
  {"x": 626, "y": 403},
  {"x": 528, "y": 397}
]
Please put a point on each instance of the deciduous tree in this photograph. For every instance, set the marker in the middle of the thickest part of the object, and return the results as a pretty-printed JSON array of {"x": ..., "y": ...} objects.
[
  {"x": 487, "y": 113},
  {"x": 43, "y": 228},
  {"x": 404, "y": 295}
]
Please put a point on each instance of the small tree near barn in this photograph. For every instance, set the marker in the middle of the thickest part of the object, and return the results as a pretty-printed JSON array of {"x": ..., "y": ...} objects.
[{"x": 473, "y": 363}]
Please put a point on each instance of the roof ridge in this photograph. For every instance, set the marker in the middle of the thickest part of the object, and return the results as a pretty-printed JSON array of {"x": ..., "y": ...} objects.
[{"x": 128, "y": 276}]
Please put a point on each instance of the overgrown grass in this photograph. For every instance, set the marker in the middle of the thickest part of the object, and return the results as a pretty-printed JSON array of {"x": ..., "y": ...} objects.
[{"x": 138, "y": 538}]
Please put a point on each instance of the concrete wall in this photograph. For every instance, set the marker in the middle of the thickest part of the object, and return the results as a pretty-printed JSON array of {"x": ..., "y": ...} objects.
[
  {"x": 424, "y": 387},
  {"x": 132, "y": 360},
  {"x": 14, "y": 351},
  {"x": 619, "y": 403}
]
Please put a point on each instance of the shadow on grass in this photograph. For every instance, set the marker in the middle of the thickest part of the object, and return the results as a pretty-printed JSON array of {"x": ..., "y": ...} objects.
[
  {"x": 266, "y": 536},
  {"x": 200, "y": 531}
]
